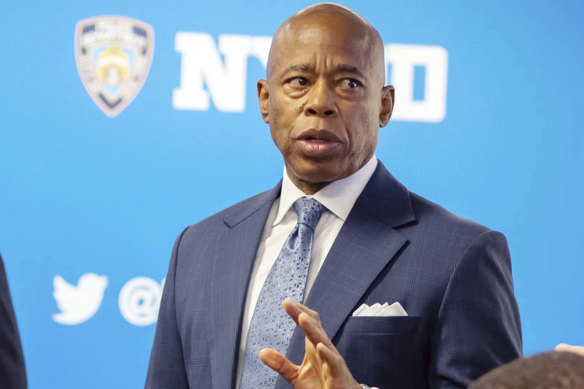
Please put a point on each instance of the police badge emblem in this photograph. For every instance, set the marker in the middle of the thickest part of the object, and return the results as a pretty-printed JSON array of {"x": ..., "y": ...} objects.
[{"x": 113, "y": 55}]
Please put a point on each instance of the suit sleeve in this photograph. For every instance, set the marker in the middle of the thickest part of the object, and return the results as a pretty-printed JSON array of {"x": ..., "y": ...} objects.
[
  {"x": 167, "y": 367},
  {"x": 12, "y": 371},
  {"x": 478, "y": 326}
]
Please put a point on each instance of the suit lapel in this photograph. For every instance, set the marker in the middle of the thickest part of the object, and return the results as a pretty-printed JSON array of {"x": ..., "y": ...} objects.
[
  {"x": 366, "y": 244},
  {"x": 236, "y": 250}
]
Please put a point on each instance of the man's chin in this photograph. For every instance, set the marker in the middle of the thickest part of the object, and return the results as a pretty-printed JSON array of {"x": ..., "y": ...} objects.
[{"x": 314, "y": 177}]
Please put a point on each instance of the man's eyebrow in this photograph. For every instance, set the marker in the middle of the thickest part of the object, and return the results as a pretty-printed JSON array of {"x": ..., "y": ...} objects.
[
  {"x": 308, "y": 68},
  {"x": 342, "y": 68},
  {"x": 299, "y": 68}
]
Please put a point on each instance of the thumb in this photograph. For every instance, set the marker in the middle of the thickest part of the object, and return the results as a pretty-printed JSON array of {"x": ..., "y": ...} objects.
[{"x": 279, "y": 363}]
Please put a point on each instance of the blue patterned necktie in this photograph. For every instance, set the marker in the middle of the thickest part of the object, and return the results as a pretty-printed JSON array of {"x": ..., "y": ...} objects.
[{"x": 270, "y": 325}]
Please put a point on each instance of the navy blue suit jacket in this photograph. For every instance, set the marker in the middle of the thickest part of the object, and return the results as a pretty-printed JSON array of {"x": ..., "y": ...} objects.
[
  {"x": 12, "y": 371},
  {"x": 451, "y": 275}
]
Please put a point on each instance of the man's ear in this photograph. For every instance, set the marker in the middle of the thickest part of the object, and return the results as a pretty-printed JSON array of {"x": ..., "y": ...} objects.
[
  {"x": 387, "y": 99},
  {"x": 263, "y": 97}
]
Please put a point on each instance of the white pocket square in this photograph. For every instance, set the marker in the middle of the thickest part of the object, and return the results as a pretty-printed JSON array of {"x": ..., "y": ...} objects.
[{"x": 381, "y": 310}]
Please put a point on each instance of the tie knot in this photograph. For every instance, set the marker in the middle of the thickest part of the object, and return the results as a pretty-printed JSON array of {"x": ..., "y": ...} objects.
[{"x": 308, "y": 211}]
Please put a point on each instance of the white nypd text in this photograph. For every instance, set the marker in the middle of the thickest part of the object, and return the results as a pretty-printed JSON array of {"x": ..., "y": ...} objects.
[{"x": 218, "y": 73}]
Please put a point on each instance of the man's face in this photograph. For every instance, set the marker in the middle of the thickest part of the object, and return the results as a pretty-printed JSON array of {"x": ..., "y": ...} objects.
[{"x": 324, "y": 100}]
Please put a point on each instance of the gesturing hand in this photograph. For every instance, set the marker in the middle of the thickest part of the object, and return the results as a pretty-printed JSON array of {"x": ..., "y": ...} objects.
[{"x": 322, "y": 367}]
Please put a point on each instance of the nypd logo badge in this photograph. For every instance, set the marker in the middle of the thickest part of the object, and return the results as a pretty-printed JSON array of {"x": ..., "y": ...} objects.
[{"x": 113, "y": 55}]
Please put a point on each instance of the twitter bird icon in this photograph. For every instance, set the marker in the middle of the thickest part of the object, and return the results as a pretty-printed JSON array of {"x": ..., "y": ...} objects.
[{"x": 78, "y": 303}]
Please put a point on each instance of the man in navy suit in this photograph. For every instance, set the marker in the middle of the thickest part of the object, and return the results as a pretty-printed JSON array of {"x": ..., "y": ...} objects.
[
  {"x": 325, "y": 100},
  {"x": 12, "y": 371}
]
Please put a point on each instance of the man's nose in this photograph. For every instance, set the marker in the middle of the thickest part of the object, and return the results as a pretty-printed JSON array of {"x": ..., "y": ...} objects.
[{"x": 321, "y": 100}]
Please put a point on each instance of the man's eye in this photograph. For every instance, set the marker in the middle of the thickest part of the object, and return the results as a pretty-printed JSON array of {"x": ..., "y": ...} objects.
[
  {"x": 296, "y": 86},
  {"x": 351, "y": 83},
  {"x": 300, "y": 81}
]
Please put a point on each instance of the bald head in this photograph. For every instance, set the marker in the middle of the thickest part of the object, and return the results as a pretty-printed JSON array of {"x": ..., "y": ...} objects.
[
  {"x": 325, "y": 97},
  {"x": 324, "y": 24}
]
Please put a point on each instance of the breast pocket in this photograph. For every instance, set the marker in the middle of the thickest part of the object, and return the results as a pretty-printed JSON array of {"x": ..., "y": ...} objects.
[
  {"x": 381, "y": 325},
  {"x": 381, "y": 350}
]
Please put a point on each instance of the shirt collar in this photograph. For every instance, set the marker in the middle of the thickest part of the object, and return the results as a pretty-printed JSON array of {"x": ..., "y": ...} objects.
[{"x": 338, "y": 196}]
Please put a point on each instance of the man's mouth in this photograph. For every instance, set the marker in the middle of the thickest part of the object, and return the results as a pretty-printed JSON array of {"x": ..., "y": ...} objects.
[
  {"x": 316, "y": 140},
  {"x": 318, "y": 143}
]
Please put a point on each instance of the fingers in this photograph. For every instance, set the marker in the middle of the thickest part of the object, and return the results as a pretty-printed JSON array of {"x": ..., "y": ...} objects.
[
  {"x": 322, "y": 361},
  {"x": 335, "y": 370},
  {"x": 332, "y": 361},
  {"x": 279, "y": 363},
  {"x": 308, "y": 320},
  {"x": 293, "y": 309}
]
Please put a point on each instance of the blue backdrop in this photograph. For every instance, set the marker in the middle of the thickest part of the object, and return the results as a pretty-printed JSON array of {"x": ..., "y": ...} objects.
[{"x": 493, "y": 130}]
